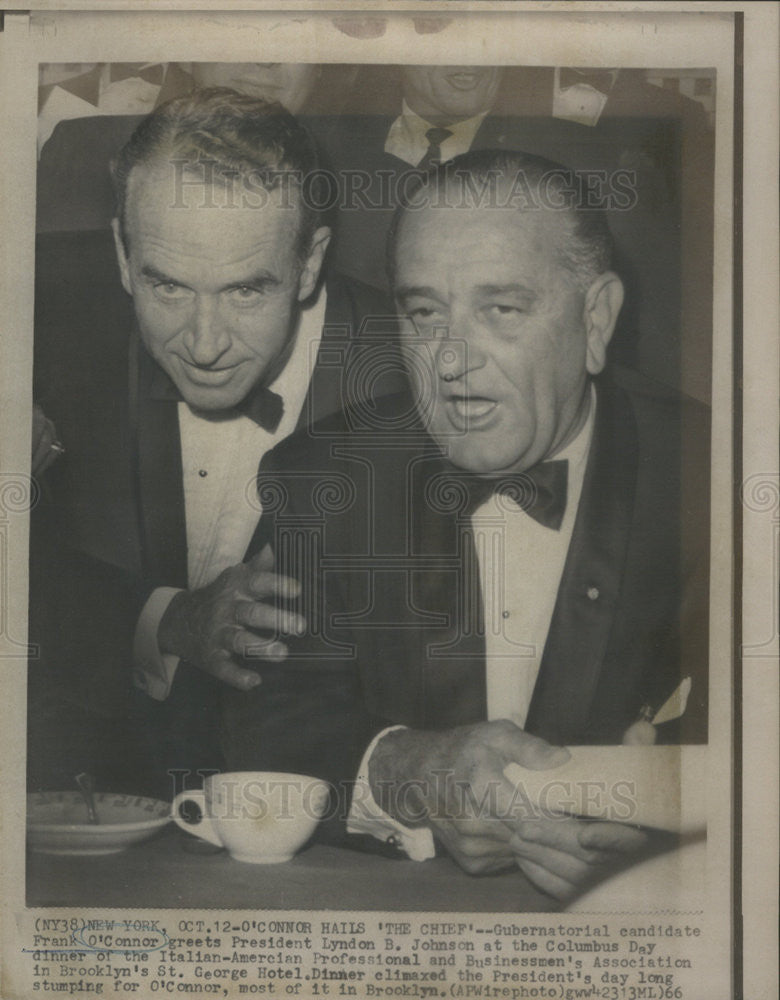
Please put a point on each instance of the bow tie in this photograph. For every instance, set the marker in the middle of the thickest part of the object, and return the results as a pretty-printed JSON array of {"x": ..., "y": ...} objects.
[
  {"x": 540, "y": 492},
  {"x": 599, "y": 79},
  {"x": 261, "y": 405},
  {"x": 151, "y": 73}
]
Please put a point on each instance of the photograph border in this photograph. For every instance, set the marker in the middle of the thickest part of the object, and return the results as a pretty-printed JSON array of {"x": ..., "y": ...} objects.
[{"x": 751, "y": 721}]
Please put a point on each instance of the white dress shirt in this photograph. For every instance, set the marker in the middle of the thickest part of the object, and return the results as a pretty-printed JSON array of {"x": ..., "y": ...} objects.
[
  {"x": 579, "y": 103},
  {"x": 406, "y": 138},
  {"x": 219, "y": 472},
  {"x": 520, "y": 568}
]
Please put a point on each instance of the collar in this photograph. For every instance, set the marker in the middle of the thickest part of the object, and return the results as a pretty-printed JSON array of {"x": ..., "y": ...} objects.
[
  {"x": 577, "y": 450},
  {"x": 406, "y": 138},
  {"x": 297, "y": 373}
]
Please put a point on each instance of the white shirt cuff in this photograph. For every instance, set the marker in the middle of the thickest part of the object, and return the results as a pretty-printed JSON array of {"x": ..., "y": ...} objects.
[
  {"x": 153, "y": 671},
  {"x": 365, "y": 815}
]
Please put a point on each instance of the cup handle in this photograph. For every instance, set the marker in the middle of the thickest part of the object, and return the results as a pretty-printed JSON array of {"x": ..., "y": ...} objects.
[{"x": 203, "y": 827}]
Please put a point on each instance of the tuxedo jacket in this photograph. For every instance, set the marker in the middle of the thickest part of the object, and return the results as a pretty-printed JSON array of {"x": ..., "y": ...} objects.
[
  {"x": 358, "y": 510},
  {"x": 111, "y": 524}
]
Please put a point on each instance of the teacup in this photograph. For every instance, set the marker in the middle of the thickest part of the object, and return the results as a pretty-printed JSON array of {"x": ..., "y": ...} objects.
[{"x": 261, "y": 817}]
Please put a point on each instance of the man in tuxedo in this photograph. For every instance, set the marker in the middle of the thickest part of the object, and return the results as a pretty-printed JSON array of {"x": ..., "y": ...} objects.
[
  {"x": 511, "y": 558},
  {"x": 165, "y": 410}
]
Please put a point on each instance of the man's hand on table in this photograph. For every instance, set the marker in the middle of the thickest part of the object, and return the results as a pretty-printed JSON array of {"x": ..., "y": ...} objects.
[
  {"x": 453, "y": 781},
  {"x": 216, "y": 627}
]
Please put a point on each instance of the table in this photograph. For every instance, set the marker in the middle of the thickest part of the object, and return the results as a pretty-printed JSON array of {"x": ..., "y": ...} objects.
[{"x": 160, "y": 873}]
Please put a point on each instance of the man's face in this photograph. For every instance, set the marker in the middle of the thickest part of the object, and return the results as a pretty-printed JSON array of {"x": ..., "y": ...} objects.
[
  {"x": 288, "y": 83},
  {"x": 215, "y": 289},
  {"x": 494, "y": 333},
  {"x": 450, "y": 93}
]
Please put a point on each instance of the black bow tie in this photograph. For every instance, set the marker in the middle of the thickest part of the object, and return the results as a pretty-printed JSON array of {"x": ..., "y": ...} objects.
[
  {"x": 261, "y": 405},
  {"x": 599, "y": 79},
  {"x": 540, "y": 492}
]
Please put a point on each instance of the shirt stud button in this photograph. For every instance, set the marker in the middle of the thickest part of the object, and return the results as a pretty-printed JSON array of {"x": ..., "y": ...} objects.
[
  {"x": 202, "y": 473},
  {"x": 504, "y": 614},
  {"x": 593, "y": 593}
]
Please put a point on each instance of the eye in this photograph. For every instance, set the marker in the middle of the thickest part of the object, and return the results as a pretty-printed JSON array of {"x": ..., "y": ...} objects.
[
  {"x": 422, "y": 312},
  {"x": 245, "y": 294},
  {"x": 426, "y": 318},
  {"x": 502, "y": 310},
  {"x": 170, "y": 291}
]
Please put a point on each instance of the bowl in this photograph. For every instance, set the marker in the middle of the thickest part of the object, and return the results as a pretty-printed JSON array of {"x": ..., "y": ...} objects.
[{"x": 57, "y": 822}]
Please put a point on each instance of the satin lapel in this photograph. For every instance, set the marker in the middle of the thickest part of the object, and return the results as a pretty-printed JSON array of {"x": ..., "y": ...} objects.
[
  {"x": 160, "y": 493},
  {"x": 359, "y": 337},
  {"x": 591, "y": 582},
  {"x": 451, "y": 651},
  {"x": 325, "y": 385}
]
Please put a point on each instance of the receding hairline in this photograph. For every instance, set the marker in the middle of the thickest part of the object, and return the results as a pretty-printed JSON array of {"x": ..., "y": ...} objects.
[
  {"x": 566, "y": 221},
  {"x": 160, "y": 164},
  {"x": 575, "y": 250}
]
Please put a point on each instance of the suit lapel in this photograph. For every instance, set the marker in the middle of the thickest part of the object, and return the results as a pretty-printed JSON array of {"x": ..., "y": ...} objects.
[
  {"x": 324, "y": 395},
  {"x": 591, "y": 582},
  {"x": 452, "y": 650},
  {"x": 359, "y": 337},
  {"x": 160, "y": 493}
]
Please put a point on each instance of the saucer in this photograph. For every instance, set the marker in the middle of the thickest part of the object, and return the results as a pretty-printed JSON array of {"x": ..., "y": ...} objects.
[{"x": 57, "y": 822}]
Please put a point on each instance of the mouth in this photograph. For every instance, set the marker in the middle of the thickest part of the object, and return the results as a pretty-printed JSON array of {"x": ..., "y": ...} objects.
[
  {"x": 208, "y": 378},
  {"x": 465, "y": 79},
  {"x": 471, "y": 412}
]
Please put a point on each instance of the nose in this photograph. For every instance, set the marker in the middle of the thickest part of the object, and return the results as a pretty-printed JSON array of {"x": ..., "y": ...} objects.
[
  {"x": 206, "y": 338},
  {"x": 458, "y": 353}
]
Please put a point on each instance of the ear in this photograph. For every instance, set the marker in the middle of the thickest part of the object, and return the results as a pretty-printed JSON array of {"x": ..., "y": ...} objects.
[
  {"x": 602, "y": 305},
  {"x": 313, "y": 263},
  {"x": 121, "y": 256}
]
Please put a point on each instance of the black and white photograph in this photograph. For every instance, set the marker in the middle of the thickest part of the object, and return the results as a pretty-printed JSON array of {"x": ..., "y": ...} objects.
[{"x": 380, "y": 526}]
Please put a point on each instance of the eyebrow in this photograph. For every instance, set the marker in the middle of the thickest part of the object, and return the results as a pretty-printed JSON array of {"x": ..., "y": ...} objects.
[
  {"x": 514, "y": 288},
  {"x": 408, "y": 291},
  {"x": 147, "y": 271},
  {"x": 260, "y": 278},
  {"x": 426, "y": 291}
]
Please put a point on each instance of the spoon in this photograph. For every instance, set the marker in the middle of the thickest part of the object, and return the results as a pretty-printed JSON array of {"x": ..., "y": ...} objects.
[{"x": 86, "y": 786}]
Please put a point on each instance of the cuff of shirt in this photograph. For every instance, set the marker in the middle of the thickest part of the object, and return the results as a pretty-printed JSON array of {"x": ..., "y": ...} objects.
[
  {"x": 365, "y": 815},
  {"x": 153, "y": 671}
]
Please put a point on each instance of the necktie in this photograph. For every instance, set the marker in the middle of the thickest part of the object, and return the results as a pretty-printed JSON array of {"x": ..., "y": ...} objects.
[
  {"x": 599, "y": 79},
  {"x": 261, "y": 405},
  {"x": 435, "y": 136},
  {"x": 540, "y": 492}
]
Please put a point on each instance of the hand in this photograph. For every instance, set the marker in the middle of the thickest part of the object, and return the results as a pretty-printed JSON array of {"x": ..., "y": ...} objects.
[
  {"x": 46, "y": 449},
  {"x": 453, "y": 782},
  {"x": 562, "y": 855},
  {"x": 217, "y": 626}
]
